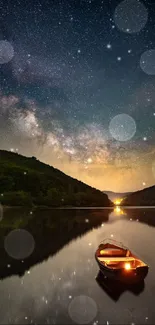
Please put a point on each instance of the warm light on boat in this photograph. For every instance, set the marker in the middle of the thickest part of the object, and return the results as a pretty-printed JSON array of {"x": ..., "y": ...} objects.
[
  {"x": 127, "y": 266},
  {"x": 117, "y": 261}
]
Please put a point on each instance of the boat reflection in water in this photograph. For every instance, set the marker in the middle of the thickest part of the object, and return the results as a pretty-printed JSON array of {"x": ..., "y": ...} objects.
[{"x": 115, "y": 289}]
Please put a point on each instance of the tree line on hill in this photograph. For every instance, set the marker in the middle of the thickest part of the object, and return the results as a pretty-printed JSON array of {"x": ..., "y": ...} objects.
[{"x": 27, "y": 181}]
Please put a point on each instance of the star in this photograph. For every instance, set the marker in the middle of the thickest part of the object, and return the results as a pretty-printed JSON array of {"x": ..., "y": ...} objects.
[
  {"x": 109, "y": 46},
  {"x": 68, "y": 79}
]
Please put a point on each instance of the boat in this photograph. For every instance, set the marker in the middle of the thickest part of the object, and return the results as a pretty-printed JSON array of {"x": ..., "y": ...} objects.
[
  {"x": 117, "y": 262},
  {"x": 114, "y": 289}
]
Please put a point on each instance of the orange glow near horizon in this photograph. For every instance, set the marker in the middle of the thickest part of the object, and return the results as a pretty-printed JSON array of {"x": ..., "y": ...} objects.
[{"x": 117, "y": 201}]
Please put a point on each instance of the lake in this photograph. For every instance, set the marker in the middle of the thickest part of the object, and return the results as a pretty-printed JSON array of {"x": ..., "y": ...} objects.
[{"x": 59, "y": 282}]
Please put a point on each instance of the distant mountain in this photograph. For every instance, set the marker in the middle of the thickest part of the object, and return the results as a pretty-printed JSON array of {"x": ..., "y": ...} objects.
[
  {"x": 145, "y": 197},
  {"x": 114, "y": 196},
  {"x": 27, "y": 181}
]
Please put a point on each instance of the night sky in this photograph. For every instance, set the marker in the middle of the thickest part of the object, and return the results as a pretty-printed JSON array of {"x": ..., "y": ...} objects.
[{"x": 77, "y": 88}]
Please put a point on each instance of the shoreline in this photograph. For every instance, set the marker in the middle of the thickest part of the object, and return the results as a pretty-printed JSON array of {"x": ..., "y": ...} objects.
[
  {"x": 53, "y": 208},
  {"x": 76, "y": 207}
]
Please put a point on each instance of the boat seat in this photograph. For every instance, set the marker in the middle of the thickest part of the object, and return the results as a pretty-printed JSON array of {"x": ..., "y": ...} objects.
[
  {"x": 116, "y": 259},
  {"x": 112, "y": 252}
]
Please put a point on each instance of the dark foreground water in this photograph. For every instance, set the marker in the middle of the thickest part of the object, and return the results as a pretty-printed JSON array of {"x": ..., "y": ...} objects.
[{"x": 59, "y": 282}]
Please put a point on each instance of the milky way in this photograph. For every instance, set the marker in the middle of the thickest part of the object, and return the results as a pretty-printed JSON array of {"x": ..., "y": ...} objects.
[{"x": 77, "y": 88}]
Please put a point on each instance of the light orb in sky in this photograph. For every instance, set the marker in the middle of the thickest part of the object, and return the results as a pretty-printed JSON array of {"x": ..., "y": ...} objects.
[
  {"x": 130, "y": 16},
  {"x": 82, "y": 310},
  {"x": 147, "y": 62},
  {"x": 19, "y": 244},
  {"x": 122, "y": 127},
  {"x": 6, "y": 52}
]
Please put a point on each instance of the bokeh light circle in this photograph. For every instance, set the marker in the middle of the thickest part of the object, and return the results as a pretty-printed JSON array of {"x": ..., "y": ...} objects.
[
  {"x": 19, "y": 244},
  {"x": 82, "y": 310},
  {"x": 130, "y": 16},
  {"x": 147, "y": 62},
  {"x": 122, "y": 127},
  {"x": 6, "y": 52}
]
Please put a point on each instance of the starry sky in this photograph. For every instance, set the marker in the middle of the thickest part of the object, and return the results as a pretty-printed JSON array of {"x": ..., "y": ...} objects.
[{"x": 77, "y": 88}]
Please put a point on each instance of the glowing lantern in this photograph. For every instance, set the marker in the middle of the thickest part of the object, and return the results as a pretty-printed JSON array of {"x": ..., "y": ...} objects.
[{"x": 127, "y": 266}]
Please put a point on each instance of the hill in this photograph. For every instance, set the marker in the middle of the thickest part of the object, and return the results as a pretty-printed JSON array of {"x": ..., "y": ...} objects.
[
  {"x": 114, "y": 196},
  {"x": 27, "y": 181},
  {"x": 145, "y": 197}
]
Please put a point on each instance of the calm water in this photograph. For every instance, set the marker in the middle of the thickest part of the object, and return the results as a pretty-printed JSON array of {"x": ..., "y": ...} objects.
[{"x": 59, "y": 282}]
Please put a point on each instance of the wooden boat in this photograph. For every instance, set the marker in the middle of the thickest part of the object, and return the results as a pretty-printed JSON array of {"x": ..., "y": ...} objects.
[{"x": 118, "y": 262}]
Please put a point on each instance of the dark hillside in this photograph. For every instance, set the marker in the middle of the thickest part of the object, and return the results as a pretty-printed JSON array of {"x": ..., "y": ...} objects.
[
  {"x": 145, "y": 197},
  {"x": 27, "y": 181}
]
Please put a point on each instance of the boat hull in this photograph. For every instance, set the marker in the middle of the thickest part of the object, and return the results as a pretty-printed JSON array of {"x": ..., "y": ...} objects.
[{"x": 134, "y": 276}]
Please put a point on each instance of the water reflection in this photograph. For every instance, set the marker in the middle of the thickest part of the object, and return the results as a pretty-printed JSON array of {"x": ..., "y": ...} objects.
[
  {"x": 143, "y": 215},
  {"x": 51, "y": 230},
  {"x": 115, "y": 289},
  {"x": 119, "y": 211},
  {"x": 62, "y": 267}
]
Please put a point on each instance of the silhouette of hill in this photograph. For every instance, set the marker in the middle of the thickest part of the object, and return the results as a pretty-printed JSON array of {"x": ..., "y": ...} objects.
[
  {"x": 113, "y": 196},
  {"x": 145, "y": 197},
  {"x": 27, "y": 181}
]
